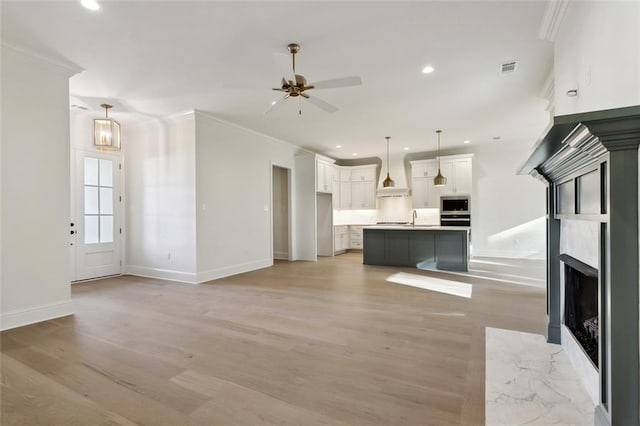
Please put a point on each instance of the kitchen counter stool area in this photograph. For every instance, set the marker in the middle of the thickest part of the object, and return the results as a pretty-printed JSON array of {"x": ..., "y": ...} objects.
[{"x": 436, "y": 247}]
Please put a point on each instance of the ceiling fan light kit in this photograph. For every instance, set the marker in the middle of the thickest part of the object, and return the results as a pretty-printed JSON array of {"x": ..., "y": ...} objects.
[
  {"x": 295, "y": 85},
  {"x": 439, "y": 180}
]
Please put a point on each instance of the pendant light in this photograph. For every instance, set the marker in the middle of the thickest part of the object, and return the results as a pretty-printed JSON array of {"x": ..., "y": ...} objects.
[
  {"x": 106, "y": 132},
  {"x": 439, "y": 180},
  {"x": 388, "y": 182}
]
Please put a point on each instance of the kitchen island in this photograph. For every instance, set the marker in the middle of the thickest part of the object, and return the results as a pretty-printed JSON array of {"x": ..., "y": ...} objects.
[{"x": 425, "y": 247}]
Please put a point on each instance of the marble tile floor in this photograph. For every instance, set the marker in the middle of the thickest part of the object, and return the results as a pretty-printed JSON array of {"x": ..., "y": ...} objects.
[{"x": 531, "y": 382}]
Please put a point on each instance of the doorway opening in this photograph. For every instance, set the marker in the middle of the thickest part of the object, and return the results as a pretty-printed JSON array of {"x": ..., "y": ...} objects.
[{"x": 281, "y": 212}]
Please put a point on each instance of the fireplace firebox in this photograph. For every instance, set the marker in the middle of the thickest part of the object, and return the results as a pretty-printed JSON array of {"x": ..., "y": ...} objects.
[{"x": 581, "y": 305}]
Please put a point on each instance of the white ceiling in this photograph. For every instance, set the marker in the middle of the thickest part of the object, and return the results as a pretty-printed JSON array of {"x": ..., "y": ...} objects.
[{"x": 164, "y": 58}]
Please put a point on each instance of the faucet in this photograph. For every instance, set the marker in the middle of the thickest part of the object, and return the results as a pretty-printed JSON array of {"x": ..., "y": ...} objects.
[{"x": 414, "y": 215}]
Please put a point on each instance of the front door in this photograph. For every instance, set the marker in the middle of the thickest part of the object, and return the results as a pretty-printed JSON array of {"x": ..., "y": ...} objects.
[{"x": 96, "y": 215}]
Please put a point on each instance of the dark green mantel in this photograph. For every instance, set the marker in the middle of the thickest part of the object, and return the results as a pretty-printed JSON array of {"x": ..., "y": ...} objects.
[
  {"x": 606, "y": 124},
  {"x": 609, "y": 140}
]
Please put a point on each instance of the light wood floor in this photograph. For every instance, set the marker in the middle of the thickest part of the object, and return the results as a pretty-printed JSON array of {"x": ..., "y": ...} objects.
[{"x": 327, "y": 343}]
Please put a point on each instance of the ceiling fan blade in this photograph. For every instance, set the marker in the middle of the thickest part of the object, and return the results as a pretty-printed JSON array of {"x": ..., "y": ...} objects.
[
  {"x": 338, "y": 82},
  {"x": 277, "y": 89},
  {"x": 275, "y": 104},
  {"x": 321, "y": 104}
]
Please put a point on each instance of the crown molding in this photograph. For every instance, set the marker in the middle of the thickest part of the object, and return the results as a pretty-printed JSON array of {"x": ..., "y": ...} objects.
[
  {"x": 67, "y": 65},
  {"x": 552, "y": 20}
]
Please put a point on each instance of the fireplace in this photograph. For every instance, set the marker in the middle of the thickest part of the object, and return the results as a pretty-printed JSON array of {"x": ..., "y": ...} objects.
[
  {"x": 589, "y": 162},
  {"x": 581, "y": 305}
]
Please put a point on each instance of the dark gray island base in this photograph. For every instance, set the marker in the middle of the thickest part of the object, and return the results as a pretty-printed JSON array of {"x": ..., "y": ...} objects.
[{"x": 444, "y": 248}]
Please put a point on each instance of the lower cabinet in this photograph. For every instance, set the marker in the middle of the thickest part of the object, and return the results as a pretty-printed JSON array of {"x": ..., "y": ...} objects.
[
  {"x": 355, "y": 237},
  {"x": 446, "y": 250},
  {"x": 340, "y": 239}
]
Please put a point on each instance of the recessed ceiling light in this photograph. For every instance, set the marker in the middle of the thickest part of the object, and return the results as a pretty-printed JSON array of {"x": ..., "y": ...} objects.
[
  {"x": 338, "y": 146},
  {"x": 354, "y": 154},
  {"x": 90, "y": 4},
  {"x": 406, "y": 148},
  {"x": 466, "y": 142},
  {"x": 428, "y": 69}
]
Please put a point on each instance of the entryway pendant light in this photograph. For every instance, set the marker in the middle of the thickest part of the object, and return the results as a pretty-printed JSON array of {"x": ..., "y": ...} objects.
[
  {"x": 439, "y": 180},
  {"x": 106, "y": 132},
  {"x": 388, "y": 182}
]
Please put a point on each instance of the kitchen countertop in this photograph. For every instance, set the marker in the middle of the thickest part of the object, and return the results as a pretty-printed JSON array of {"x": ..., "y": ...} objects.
[{"x": 409, "y": 227}]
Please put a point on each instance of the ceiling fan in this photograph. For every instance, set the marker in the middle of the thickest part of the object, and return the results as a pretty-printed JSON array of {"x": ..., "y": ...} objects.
[{"x": 295, "y": 85}]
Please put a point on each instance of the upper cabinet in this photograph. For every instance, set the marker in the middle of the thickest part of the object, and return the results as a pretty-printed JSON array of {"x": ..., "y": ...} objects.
[
  {"x": 458, "y": 171},
  {"x": 424, "y": 194},
  {"x": 363, "y": 173},
  {"x": 355, "y": 187},
  {"x": 324, "y": 176}
]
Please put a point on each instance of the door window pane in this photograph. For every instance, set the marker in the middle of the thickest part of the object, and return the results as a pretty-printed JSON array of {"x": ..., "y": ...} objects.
[
  {"x": 90, "y": 200},
  {"x": 91, "y": 230},
  {"x": 98, "y": 200},
  {"x": 106, "y": 173},
  {"x": 106, "y": 201},
  {"x": 90, "y": 171},
  {"x": 106, "y": 229}
]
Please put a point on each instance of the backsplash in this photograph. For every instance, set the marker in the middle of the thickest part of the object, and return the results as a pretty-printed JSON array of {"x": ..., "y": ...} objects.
[{"x": 392, "y": 209}]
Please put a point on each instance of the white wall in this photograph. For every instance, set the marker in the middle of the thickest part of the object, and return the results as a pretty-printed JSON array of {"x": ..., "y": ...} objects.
[
  {"x": 35, "y": 189},
  {"x": 280, "y": 213},
  {"x": 161, "y": 198},
  {"x": 597, "y": 52},
  {"x": 233, "y": 179},
  {"x": 508, "y": 210}
]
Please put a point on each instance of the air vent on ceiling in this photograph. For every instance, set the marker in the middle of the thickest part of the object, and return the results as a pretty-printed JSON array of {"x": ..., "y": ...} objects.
[{"x": 508, "y": 67}]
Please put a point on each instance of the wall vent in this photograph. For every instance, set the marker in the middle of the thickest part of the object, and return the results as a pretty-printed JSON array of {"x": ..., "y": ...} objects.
[{"x": 508, "y": 67}]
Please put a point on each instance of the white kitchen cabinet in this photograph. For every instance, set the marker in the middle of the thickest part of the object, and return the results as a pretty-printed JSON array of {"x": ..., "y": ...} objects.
[
  {"x": 345, "y": 195},
  {"x": 458, "y": 171},
  {"x": 363, "y": 195},
  {"x": 344, "y": 174},
  {"x": 356, "y": 187},
  {"x": 341, "y": 238},
  {"x": 424, "y": 194},
  {"x": 355, "y": 237},
  {"x": 363, "y": 173},
  {"x": 462, "y": 171},
  {"x": 324, "y": 176}
]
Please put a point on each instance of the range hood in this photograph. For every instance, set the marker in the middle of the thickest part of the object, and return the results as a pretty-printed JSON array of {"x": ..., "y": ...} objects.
[{"x": 393, "y": 192}]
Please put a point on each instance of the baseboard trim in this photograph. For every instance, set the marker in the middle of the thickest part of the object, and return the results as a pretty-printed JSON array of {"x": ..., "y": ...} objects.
[
  {"x": 161, "y": 274},
  {"x": 281, "y": 255},
  {"x": 214, "y": 274},
  {"x": 508, "y": 254},
  {"x": 34, "y": 314}
]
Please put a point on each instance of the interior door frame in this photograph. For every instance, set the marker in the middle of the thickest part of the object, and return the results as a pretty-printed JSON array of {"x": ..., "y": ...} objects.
[
  {"x": 118, "y": 157},
  {"x": 273, "y": 164}
]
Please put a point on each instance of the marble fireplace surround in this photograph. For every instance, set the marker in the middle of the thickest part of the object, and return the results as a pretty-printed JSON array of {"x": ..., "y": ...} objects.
[
  {"x": 603, "y": 144},
  {"x": 580, "y": 240}
]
